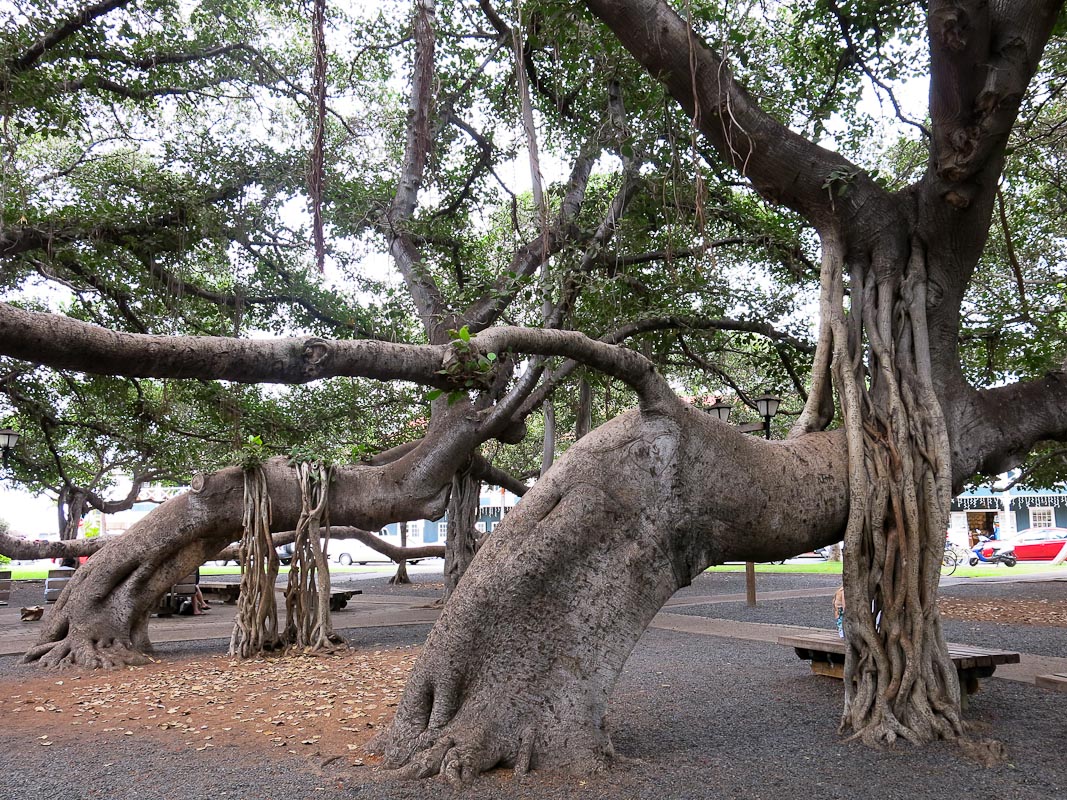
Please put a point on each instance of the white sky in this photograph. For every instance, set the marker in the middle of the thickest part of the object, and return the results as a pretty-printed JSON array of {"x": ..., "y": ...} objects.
[{"x": 26, "y": 514}]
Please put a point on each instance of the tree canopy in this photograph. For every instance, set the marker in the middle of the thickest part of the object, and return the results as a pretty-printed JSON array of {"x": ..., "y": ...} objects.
[{"x": 449, "y": 225}]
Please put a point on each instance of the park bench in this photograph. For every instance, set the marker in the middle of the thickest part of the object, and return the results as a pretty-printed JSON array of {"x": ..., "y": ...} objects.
[
  {"x": 171, "y": 602},
  {"x": 5, "y": 586},
  {"x": 229, "y": 592},
  {"x": 826, "y": 651},
  {"x": 339, "y": 600},
  {"x": 1057, "y": 681},
  {"x": 55, "y": 582}
]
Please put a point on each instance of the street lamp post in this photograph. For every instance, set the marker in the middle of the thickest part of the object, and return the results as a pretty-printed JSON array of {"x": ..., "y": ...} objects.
[
  {"x": 767, "y": 406},
  {"x": 8, "y": 438},
  {"x": 720, "y": 410}
]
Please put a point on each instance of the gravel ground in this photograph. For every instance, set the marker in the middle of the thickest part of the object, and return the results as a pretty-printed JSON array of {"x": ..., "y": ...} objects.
[{"x": 692, "y": 717}]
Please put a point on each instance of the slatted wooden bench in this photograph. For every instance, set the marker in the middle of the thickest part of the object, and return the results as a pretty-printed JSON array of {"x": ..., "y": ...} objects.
[
  {"x": 1057, "y": 681},
  {"x": 826, "y": 651},
  {"x": 183, "y": 590},
  {"x": 5, "y": 586},
  {"x": 55, "y": 582},
  {"x": 229, "y": 592},
  {"x": 339, "y": 600}
]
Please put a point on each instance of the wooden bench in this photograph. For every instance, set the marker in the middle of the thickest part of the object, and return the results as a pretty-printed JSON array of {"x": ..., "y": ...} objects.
[
  {"x": 55, "y": 582},
  {"x": 826, "y": 651},
  {"x": 339, "y": 600},
  {"x": 5, "y": 586},
  {"x": 1057, "y": 681},
  {"x": 171, "y": 602},
  {"x": 229, "y": 592}
]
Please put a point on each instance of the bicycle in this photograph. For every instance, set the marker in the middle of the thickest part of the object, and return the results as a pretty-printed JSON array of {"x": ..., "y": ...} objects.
[{"x": 949, "y": 560}]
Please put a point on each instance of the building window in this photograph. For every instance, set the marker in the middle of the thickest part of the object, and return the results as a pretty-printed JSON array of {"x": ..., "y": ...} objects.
[{"x": 1042, "y": 518}]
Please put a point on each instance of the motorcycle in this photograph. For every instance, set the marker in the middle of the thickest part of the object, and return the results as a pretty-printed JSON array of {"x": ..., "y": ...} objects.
[{"x": 988, "y": 551}]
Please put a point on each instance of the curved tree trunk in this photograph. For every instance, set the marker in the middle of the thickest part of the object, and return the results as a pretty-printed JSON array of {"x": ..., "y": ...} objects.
[
  {"x": 578, "y": 570},
  {"x": 401, "y": 575},
  {"x": 101, "y": 618}
]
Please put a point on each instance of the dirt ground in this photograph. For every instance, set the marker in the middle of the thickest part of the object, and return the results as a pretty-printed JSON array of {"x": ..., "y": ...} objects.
[
  {"x": 325, "y": 707},
  {"x": 1011, "y": 612}
]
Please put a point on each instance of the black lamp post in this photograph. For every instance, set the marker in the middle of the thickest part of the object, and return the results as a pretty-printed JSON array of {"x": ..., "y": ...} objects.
[
  {"x": 767, "y": 405},
  {"x": 8, "y": 438}
]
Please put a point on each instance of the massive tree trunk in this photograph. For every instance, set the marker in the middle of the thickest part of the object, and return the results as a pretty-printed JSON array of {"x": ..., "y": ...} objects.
[{"x": 519, "y": 668}]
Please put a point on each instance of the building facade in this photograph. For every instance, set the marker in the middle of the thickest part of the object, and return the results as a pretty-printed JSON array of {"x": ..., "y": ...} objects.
[{"x": 983, "y": 512}]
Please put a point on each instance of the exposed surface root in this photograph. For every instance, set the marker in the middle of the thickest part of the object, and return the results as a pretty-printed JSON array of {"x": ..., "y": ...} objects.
[
  {"x": 83, "y": 651},
  {"x": 987, "y": 752}
]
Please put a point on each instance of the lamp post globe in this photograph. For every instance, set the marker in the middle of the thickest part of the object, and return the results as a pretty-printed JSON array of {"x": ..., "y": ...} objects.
[
  {"x": 767, "y": 405},
  {"x": 720, "y": 410},
  {"x": 8, "y": 438}
]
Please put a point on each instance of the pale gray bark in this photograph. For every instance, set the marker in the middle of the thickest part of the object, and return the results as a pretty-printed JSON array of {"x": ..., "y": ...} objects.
[{"x": 581, "y": 566}]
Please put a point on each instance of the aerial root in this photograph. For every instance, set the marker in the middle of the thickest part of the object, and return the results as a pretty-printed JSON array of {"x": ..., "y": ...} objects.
[{"x": 525, "y": 756}]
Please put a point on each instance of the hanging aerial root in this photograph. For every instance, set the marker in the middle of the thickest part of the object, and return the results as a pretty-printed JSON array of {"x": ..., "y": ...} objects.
[
  {"x": 255, "y": 626},
  {"x": 307, "y": 597},
  {"x": 900, "y": 682}
]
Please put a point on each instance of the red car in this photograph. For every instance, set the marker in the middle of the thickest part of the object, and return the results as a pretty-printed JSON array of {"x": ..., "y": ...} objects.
[{"x": 1039, "y": 544}]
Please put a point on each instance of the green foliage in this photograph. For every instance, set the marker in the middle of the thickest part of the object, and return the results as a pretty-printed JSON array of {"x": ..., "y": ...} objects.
[
  {"x": 252, "y": 454},
  {"x": 162, "y": 151}
]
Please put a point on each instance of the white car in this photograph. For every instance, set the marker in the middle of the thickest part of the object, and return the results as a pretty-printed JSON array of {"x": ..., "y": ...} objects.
[{"x": 353, "y": 551}]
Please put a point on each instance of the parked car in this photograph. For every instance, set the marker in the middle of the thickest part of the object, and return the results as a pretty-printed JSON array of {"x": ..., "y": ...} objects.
[
  {"x": 353, "y": 551},
  {"x": 285, "y": 553},
  {"x": 1039, "y": 544}
]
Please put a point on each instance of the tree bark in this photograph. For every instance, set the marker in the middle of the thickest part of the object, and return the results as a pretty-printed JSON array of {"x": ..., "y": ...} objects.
[
  {"x": 579, "y": 569},
  {"x": 101, "y": 618},
  {"x": 461, "y": 540},
  {"x": 401, "y": 575}
]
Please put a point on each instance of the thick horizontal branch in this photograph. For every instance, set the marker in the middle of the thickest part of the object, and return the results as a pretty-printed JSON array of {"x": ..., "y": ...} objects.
[
  {"x": 995, "y": 429},
  {"x": 63, "y": 343},
  {"x": 373, "y": 541},
  {"x": 27, "y": 549}
]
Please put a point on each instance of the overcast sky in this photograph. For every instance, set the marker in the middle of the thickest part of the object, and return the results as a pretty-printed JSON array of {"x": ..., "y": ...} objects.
[{"x": 25, "y": 513}]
